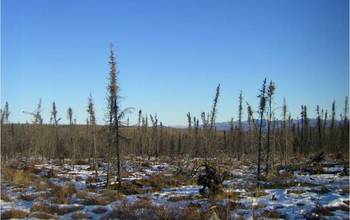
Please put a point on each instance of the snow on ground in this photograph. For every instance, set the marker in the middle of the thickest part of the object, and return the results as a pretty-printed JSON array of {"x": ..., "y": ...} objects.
[{"x": 301, "y": 199}]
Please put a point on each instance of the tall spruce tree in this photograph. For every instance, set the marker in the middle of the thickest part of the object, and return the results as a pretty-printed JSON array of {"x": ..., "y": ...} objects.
[
  {"x": 92, "y": 122},
  {"x": 270, "y": 92},
  {"x": 113, "y": 109},
  {"x": 240, "y": 127},
  {"x": 262, "y": 107}
]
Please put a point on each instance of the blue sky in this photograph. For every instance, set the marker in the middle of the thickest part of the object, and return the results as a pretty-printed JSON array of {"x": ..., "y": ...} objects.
[{"x": 172, "y": 54}]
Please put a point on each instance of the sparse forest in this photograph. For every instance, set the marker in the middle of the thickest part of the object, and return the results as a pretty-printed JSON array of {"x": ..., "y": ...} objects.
[{"x": 112, "y": 170}]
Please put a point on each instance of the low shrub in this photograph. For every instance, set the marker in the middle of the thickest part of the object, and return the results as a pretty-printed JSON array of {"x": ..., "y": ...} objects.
[
  {"x": 22, "y": 178},
  {"x": 141, "y": 209},
  {"x": 112, "y": 195},
  {"x": 91, "y": 198},
  {"x": 190, "y": 213},
  {"x": 81, "y": 215},
  {"x": 41, "y": 185},
  {"x": 13, "y": 213},
  {"x": 274, "y": 214},
  {"x": 160, "y": 181},
  {"x": 42, "y": 215},
  {"x": 5, "y": 197},
  {"x": 61, "y": 193},
  {"x": 100, "y": 210}
]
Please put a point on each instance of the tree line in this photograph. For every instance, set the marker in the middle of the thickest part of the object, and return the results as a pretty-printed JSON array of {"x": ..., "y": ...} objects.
[{"x": 267, "y": 140}]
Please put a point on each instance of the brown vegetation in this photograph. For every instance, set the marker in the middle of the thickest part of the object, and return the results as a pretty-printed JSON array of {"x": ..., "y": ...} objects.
[{"x": 13, "y": 213}]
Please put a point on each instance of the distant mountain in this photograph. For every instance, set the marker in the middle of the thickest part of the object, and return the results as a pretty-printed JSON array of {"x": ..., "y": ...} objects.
[
  {"x": 221, "y": 126},
  {"x": 225, "y": 126}
]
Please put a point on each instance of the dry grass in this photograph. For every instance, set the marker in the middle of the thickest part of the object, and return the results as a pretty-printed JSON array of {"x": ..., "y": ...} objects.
[
  {"x": 274, "y": 214},
  {"x": 295, "y": 191},
  {"x": 22, "y": 178},
  {"x": 112, "y": 195},
  {"x": 225, "y": 210},
  {"x": 7, "y": 173},
  {"x": 5, "y": 197},
  {"x": 28, "y": 196},
  {"x": 91, "y": 199},
  {"x": 131, "y": 188},
  {"x": 81, "y": 215},
  {"x": 41, "y": 207},
  {"x": 81, "y": 162},
  {"x": 225, "y": 195},
  {"x": 16, "y": 177},
  {"x": 41, "y": 185},
  {"x": 42, "y": 215},
  {"x": 100, "y": 210},
  {"x": 54, "y": 209},
  {"x": 142, "y": 209},
  {"x": 191, "y": 213},
  {"x": 125, "y": 173},
  {"x": 180, "y": 198},
  {"x": 61, "y": 193},
  {"x": 324, "y": 211},
  {"x": 259, "y": 193},
  {"x": 13, "y": 213},
  {"x": 160, "y": 181}
]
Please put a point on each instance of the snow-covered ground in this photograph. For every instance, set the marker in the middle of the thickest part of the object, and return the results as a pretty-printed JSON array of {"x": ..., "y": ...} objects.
[{"x": 300, "y": 195}]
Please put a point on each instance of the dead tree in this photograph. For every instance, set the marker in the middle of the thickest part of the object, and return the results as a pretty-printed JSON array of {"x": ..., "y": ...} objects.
[
  {"x": 57, "y": 142},
  {"x": 37, "y": 121},
  {"x": 154, "y": 136}
]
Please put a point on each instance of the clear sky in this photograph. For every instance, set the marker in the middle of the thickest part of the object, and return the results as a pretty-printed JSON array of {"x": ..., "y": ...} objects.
[{"x": 172, "y": 54}]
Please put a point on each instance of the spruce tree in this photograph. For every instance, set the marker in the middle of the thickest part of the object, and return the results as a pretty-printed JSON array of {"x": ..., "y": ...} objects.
[
  {"x": 113, "y": 109},
  {"x": 333, "y": 144},
  {"x": 270, "y": 93},
  {"x": 284, "y": 132},
  {"x": 92, "y": 122},
  {"x": 240, "y": 128},
  {"x": 262, "y": 107}
]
